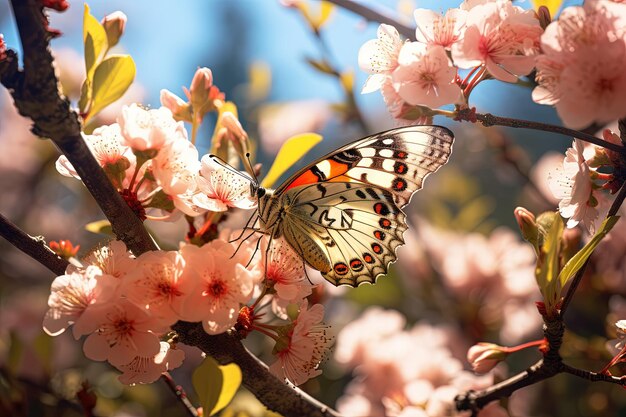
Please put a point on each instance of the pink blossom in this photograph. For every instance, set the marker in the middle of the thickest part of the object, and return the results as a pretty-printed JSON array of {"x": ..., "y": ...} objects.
[
  {"x": 379, "y": 57},
  {"x": 175, "y": 169},
  {"x": 113, "y": 259},
  {"x": 300, "y": 351},
  {"x": 72, "y": 294},
  {"x": 220, "y": 188},
  {"x": 425, "y": 76},
  {"x": 400, "y": 109},
  {"x": 583, "y": 61},
  {"x": 284, "y": 276},
  {"x": 105, "y": 143},
  {"x": 215, "y": 285},
  {"x": 147, "y": 369},
  {"x": 500, "y": 36},
  {"x": 435, "y": 29},
  {"x": 155, "y": 284},
  {"x": 118, "y": 332},
  {"x": 572, "y": 185},
  {"x": 149, "y": 129}
]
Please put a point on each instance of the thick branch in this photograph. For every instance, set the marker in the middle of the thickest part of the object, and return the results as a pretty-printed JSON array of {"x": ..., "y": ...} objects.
[
  {"x": 272, "y": 392},
  {"x": 36, "y": 95},
  {"x": 375, "y": 16},
  {"x": 32, "y": 246}
]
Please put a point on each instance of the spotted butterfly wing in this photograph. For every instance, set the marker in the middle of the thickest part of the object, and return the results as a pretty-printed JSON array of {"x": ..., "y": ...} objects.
[{"x": 343, "y": 213}]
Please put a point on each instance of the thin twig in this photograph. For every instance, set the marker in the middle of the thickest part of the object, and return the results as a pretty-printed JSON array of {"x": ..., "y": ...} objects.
[
  {"x": 379, "y": 16},
  {"x": 35, "y": 247},
  {"x": 180, "y": 394},
  {"x": 488, "y": 119},
  {"x": 593, "y": 376}
]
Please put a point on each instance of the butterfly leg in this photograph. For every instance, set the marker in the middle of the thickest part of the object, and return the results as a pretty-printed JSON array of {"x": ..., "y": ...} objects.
[{"x": 247, "y": 226}]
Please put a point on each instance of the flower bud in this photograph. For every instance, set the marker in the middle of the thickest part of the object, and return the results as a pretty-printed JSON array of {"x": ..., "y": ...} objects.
[
  {"x": 200, "y": 87},
  {"x": 485, "y": 356},
  {"x": 527, "y": 225},
  {"x": 179, "y": 108},
  {"x": 114, "y": 25},
  {"x": 543, "y": 13},
  {"x": 64, "y": 248}
]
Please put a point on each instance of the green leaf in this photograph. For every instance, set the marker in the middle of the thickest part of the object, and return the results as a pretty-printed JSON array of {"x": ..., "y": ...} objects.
[
  {"x": 215, "y": 384},
  {"x": 111, "y": 79},
  {"x": 548, "y": 263},
  {"x": 95, "y": 41},
  {"x": 577, "y": 261},
  {"x": 292, "y": 151},
  {"x": 102, "y": 227}
]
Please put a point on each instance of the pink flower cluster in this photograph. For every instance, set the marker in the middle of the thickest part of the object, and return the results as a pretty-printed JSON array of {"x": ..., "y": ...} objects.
[
  {"x": 491, "y": 37},
  {"x": 490, "y": 277},
  {"x": 125, "y": 306},
  {"x": 579, "y": 59},
  {"x": 149, "y": 159},
  {"x": 578, "y": 184},
  {"x": 403, "y": 372},
  {"x": 581, "y": 68}
]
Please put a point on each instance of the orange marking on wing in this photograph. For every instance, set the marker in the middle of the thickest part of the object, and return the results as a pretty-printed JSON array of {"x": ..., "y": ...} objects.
[
  {"x": 307, "y": 178},
  {"x": 336, "y": 168}
]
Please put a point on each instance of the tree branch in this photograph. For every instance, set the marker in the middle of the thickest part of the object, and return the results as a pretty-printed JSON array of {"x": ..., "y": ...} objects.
[
  {"x": 35, "y": 247},
  {"x": 375, "y": 16},
  {"x": 594, "y": 376},
  {"x": 275, "y": 394},
  {"x": 488, "y": 119},
  {"x": 36, "y": 95}
]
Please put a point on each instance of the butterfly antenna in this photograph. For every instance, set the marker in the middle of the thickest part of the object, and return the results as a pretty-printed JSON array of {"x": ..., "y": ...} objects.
[
  {"x": 246, "y": 227},
  {"x": 229, "y": 167},
  {"x": 250, "y": 168}
]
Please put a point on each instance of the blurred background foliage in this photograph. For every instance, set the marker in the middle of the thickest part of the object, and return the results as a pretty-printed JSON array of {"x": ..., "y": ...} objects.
[{"x": 266, "y": 59}]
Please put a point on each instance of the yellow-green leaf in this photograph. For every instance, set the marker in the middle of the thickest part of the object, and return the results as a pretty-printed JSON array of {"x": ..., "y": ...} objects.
[
  {"x": 577, "y": 261},
  {"x": 215, "y": 384},
  {"x": 111, "y": 79},
  {"x": 292, "y": 150},
  {"x": 548, "y": 264},
  {"x": 326, "y": 9},
  {"x": 94, "y": 40},
  {"x": 552, "y": 5},
  {"x": 102, "y": 227}
]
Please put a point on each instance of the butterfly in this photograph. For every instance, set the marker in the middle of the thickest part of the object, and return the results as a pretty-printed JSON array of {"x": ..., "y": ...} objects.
[{"x": 343, "y": 213}]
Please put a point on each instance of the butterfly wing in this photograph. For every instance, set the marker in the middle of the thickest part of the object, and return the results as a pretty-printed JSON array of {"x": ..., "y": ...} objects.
[
  {"x": 344, "y": 212},
  {"x": 349, "y": 232}
]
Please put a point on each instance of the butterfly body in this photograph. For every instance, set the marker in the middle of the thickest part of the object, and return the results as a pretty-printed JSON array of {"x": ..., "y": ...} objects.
[{"x": 343, "y": 213}]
